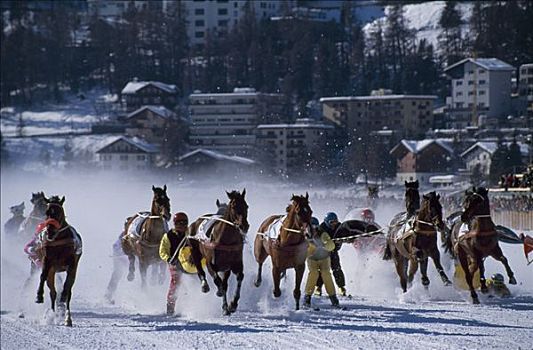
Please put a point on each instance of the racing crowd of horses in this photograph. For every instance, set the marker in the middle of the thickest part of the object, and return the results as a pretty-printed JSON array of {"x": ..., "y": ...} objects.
[{"x": 411, "y": 238}]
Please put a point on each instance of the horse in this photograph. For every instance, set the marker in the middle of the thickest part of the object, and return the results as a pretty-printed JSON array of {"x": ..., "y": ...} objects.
[
  {"x": 143, "y": 233},
  {"x": 475, "y": 238},
  {"x": 37, "y": 215},
  {"x": 289, "y": 249},
  {"x": 11, "y": 227},
  {"x": 223, "y": 248},
  {"x": 61, "y": 252},
  {"x": 418, "y": 243},
  {"x": 412, "y": 204}
]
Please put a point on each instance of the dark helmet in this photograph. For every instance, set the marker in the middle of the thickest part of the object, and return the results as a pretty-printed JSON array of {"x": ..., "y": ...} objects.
[
  {"x": 497, "y": 278},
  {"x": 181, "y": 219},
  {"x": 314, "y": 222},
  {"x": 330, "y": 218}
]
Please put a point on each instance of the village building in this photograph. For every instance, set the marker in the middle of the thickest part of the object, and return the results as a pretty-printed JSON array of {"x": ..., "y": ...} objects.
[
  {"x": 127, "y": 154},
  {"x": 140, "y": 93}
]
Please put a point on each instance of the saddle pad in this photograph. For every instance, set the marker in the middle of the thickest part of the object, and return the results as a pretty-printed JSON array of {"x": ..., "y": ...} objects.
[
  {"x": 274, "y": 229},
  {"x": 205, "y": 227},
  {"x": 406, "y": 227},
  {"x": 134, "y": 229}
]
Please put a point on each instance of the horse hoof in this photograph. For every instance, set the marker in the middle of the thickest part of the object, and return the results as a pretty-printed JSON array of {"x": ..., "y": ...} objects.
[
  {"x": 277, "y": 294},
  {"x": 131, "y": 277},
  {"x": 475, "y": 301},
  {"x": 512, "y": 280},
  {"x": 484, "y": 290},
  {"x": 425, "y": 282},
  {"x": 226, "y": 313},
  {"x": 39, "y": 299},
  {"x": 205, "y": 288},
  {"x": 232, "y": 307},
  {"x": 257, "y": 283},
  {"x": 220, "y": 293},
  {"x": 68, "y": 323}
]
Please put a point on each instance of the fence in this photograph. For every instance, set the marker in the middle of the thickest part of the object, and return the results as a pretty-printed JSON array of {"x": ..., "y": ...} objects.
[{"x": 516, "y": 220}]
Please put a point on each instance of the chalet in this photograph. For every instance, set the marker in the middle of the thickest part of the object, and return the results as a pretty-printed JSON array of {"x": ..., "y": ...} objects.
[
  {"x": 481, "y": 153},
  {"x": 203, "y": 161},
  {"x": 138, "y": 93},
  {"x": 420, "y": 160},
  {"x": 127, "y": 154},
  {"x": 155, "y": 124}
]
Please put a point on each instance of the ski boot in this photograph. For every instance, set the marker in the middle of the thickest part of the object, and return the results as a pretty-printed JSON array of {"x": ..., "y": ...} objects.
[
  {"x": 342, "y": 291},
  {"x": 318, "y": 291},
  {"x": 170, "y": 309}
]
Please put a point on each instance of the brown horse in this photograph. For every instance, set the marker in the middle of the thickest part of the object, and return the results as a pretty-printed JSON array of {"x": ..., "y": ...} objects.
[
  {"x": 418, "y": 243},
  {"x": 37, "y": 215},
  {"x": 223, "y": 249},
  {"x": 289, "y": 250},
  {"x": 480, "y": 240},
  {"x": 60, "y": 253},
  {"x": 143, "y": 241}
]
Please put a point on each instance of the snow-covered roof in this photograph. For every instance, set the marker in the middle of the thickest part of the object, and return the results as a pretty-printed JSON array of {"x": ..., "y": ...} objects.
[
  {"x": 377, "y": 97},
  {"x": 218, "y": 156},
  {"x": 159, "y": 110},
  {"x": 486, "y": 63},
  {"x": 304, "y": 123},
  {"x": 134, "y": 86},
  {"x": 134, "y": 141},
  {"x": 491, "y": 147},
  {"x": 443, "y": 179},
  {"x": 418, "y": 146}
]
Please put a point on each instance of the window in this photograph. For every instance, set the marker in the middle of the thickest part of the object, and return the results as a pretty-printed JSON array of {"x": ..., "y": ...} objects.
[
  {"x": 223, "y": 23},
  {"x": 199, "y": 34},
  {"x": 123, "y": 157},
  {"x": 141, "y": 157},
  {"x": 482, "y": 82},
  {"x": 222, "y": 12},
  {"x": 199, "y": 23},
  {"x": 482, "y": 92},
  {"x": 199, "y": 11},
  {"x": 470, "y": 93},
  {"x": 458, "y": 93},
  {"x": 470, "y": 82},
  {"x": 458, "y": 83}
]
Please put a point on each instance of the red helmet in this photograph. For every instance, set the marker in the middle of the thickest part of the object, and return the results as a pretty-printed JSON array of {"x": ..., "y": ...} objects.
[
  {"x": 368, "y": 215},
  {"x": 181, "y": 218}
]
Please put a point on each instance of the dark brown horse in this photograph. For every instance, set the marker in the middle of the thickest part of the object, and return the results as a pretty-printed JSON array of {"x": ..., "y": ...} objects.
[
  {"x": 60, "y": 253},
  {"x": 289, "y": 250},
  {"x": 417, "y": 243},
  {"x": 37, "y": 215},
  {"x": 143, "y": 241},
  {"x": 223, "y": 249},
  {"x": 479, "y": 241}
]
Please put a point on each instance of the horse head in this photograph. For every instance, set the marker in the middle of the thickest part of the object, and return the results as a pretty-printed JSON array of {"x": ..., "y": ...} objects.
[
  {"x": 55, "y": 215},
  {"x": 161, "y": 202},
  {"x": 221, "y": 208},
  {"x": 39, "y": 202},
  {"x": 237, "y": 210},
  {"x": 476, "y": 203},
  {"x": 301, "y": 210},
  {"x": 17, "y": 210},
  {"x": 432, "y": 209},
  {"x": 412, "y": 197}
]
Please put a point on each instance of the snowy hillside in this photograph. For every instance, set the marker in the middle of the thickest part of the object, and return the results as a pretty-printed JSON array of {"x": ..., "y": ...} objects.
[
  {"x": 424, "y": 19},
  {"x": 378, "y": 316}
]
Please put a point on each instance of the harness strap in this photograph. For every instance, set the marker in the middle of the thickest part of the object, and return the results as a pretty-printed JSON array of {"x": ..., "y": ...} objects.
[
  {"x": 361, "y": 235},
  {"x": 292, "y": 230},
  {"x": 218, "y": 219},
  {"x": 482, "y": 216}
]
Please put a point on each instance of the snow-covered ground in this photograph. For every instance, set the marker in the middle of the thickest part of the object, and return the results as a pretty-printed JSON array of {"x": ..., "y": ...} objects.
[{"x": 378, "y": 316}]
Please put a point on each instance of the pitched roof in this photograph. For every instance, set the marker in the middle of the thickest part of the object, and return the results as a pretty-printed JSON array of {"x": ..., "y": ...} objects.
[
  {"x": 217, "y": 156},
  {"x": 159, "y": 110},
  {"x": 134, "y": 86},
  {"x": 487, "y": 63},
  {"x": 416, "y": 147},
  {"x": 491, "y": 147},
  {"x": 134, "y": 141}
]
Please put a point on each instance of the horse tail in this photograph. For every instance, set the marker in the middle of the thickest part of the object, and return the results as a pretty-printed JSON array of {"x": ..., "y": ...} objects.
[
  {"x": 387, "y": 254},
  {"x": 447, "y": 243}
]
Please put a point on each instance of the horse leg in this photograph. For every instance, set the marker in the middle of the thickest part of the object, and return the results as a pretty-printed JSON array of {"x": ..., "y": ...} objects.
[
  {"x": 216, "y": 278},
  {"x": 424, "y": 272},
  {"x": 276, "y": 277},
  {"x": 44, "y": 276},
  {"x": 498, "y": 255},
  {"x": 197, "y": 260},
  {"x": 224, "y": 290},
  {"x": 298, "y": 283},
  {"x": 482, "y": 279},
  {"x": 399, "y": 263},
  {"x": 413, "y": 267},
  {"x": 238, "y": 271},
  {"x": 435, "y": 256},
  {"x": 131, "y": 272},
  {"x": 463, "y": 259},
  {"x": 50, "y": 282},
  {"x": 258, "y": 279},
  {"x": 260, "y": 256},
  {"x": 143, "y": 268},
  {"x": 118, "y": 270},
  {"x": 66, "y": 294}
]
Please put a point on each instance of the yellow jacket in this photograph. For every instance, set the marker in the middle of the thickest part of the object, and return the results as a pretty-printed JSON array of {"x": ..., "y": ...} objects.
[
  {"x": 320, "y": 245},
  {"x": 164, "y": 249}
]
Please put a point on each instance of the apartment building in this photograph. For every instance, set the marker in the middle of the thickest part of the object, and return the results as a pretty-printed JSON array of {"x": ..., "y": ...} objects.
[
  {"x": 226, "y": 122},
  {"x": 526, "y": 89},
  {"x": 480, "y": 87},
  {"x": 409, "y": 115},
  {"x": 286, "y": 147}
]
